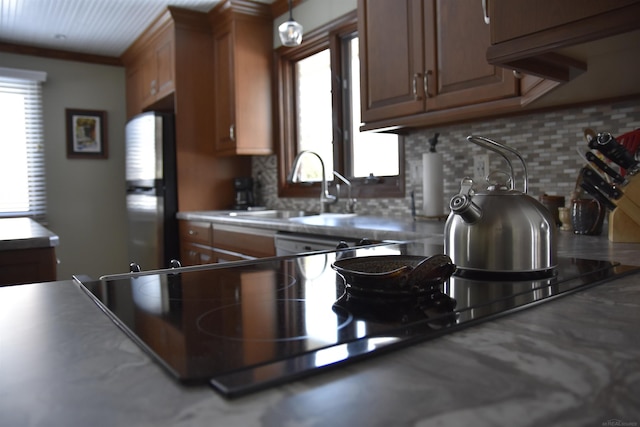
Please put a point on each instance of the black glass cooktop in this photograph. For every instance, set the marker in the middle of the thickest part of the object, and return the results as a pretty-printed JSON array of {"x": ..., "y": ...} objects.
[{"x": 252, "y": 325}]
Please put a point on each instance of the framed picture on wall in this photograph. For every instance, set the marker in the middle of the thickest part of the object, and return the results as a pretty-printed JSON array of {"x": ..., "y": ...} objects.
[{"x": 86, "y": 134}]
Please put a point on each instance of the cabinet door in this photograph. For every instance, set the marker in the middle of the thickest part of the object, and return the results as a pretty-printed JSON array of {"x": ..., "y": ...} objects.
[
  {"x": 163, "y": 64},
  {"x": 195, "y": 243},
  {"x": 27, "y": 266},
  {"x": 511, "y": 19},
  {"x": 224, "y": 89},
  {"x": 249, "y": 242},
  {"x": 457, "y": 72},
  {"x": 155, "y": 70},
  {"x": 196, "y": 232},
  {"x": 148, "y": 83},
  {"x": 391, "y": 58},
  {"x": 134, "y": 90},
  {"x": 242, "y": 50},
  {"x": 195, "y": 255}
]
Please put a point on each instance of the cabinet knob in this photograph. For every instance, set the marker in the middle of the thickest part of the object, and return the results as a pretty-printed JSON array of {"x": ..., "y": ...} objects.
[{"x": 192, "y": 232}]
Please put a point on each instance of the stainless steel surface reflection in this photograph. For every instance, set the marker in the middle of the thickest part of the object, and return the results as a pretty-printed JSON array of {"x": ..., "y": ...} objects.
[{"x": 478, "y": 298}]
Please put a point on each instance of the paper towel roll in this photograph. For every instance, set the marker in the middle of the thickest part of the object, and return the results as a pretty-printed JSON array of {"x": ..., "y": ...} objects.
[{"x": 432, "y": 185}]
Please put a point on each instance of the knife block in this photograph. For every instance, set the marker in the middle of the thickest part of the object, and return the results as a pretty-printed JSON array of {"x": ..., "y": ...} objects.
[{"x": 622, "y": 228}]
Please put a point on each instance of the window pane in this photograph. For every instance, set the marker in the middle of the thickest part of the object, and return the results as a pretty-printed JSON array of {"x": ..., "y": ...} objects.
[
  {"x": 22, "y": 186},
  {"x": 13, "y": 161},
  {"x": 372, "y": 153},
  {"x": 314, "y": 114}
]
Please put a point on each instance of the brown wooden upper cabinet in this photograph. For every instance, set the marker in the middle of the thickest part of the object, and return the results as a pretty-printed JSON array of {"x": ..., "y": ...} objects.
[
  {"x": 419, "y": 56},
  {"x": 526, "y": 35},
  {"x": 177, "y": 48},
  {"x": 150, "y": 71},
  {"x": 242, "y": 49}
]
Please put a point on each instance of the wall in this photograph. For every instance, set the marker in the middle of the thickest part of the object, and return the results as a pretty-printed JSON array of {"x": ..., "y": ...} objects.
[
  {"x": 547, "y": 141},
  {"x": 85, "y": 198}
]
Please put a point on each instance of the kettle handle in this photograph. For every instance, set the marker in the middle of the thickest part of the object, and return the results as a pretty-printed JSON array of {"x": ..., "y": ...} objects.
[{"x": 498, "y": 148}]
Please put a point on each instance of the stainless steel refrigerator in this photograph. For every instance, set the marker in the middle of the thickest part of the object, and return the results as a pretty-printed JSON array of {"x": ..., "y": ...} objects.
[{"x": 152, "y": 200}]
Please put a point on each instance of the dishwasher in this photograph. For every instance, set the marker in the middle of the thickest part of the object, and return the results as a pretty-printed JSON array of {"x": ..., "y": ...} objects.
[{"x": 294, "y": 243}]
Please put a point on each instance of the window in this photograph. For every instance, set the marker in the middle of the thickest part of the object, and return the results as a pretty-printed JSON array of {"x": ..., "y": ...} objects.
[
  {"x": 319, "y": 99},
  {"x": 22, "y": 180}
]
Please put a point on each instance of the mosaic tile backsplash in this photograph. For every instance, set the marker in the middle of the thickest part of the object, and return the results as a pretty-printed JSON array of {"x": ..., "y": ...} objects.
[{"x": 548, "y": 141}]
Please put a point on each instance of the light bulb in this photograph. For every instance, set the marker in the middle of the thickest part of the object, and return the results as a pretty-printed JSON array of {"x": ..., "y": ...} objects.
[{"x": 290, "y": 33}]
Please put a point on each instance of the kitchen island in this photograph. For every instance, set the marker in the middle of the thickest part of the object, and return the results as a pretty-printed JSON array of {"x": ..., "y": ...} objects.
[
  {"x": 571, "y": 361},
  {"x": 27, "y": 251}
]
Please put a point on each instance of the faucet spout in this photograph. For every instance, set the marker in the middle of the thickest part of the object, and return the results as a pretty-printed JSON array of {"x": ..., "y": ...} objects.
[
  {"x": 325, "y": 197},
  {"x": 351, "y": 202}
]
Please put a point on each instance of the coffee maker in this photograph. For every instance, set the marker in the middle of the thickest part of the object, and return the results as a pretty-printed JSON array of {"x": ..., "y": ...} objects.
[{"x": 243, "y": 187}]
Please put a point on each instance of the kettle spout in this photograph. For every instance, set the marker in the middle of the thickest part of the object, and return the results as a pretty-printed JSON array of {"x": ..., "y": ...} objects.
[{"x": 462, "y": 205}]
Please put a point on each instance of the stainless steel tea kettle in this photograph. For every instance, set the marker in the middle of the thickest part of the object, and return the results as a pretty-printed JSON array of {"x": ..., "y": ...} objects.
[{"x": 498, "y": 229}]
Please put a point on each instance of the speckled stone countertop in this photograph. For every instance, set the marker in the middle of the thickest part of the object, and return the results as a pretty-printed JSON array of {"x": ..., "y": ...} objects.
[
  {"x": 24, "y": 233},
  {"x": 573, "y": 361},
  {"x": 335, "y": 225}
]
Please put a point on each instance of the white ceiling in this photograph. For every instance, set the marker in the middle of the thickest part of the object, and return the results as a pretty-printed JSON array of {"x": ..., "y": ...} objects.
[{"x": 99, "y": 27}]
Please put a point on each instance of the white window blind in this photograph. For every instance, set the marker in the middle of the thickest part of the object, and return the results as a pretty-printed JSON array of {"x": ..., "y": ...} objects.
[{"x": 22, "y": 168}]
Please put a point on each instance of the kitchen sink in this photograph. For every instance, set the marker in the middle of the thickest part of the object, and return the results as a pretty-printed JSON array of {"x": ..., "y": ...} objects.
[
  {"x": 271, "y": 213},
  {"x": 336, "y": 215},
  {"x": 325, "y": 219}
]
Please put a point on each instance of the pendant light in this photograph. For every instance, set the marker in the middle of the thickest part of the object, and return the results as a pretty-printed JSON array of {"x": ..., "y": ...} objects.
[{"x": 290, "y": 31}]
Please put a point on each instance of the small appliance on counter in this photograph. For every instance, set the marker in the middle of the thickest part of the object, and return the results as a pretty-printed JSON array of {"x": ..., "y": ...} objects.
[
  {"x": 243, "y": 187},
  {"x": 499, "y": 230}
]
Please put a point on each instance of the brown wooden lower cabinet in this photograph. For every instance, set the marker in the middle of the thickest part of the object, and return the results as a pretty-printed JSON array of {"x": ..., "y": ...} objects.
[
  {"x": 196, "y": 243},
  {"x": 196, "y": 255},
  {"x": 18, "y": 266},
  {"x": 251, "y": 242},
  {"x": 206, "y": 243}
]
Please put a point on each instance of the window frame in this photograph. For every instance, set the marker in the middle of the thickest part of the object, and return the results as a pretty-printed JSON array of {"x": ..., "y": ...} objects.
[{"x": 329, "y": 36}]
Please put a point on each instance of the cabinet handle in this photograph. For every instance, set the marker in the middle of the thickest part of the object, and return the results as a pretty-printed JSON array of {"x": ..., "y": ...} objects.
[
  {"x": 414, "y": 87},
  {"x": 232, "y": 132},
  {"x": 517, "y": 74},
  {"x": 425, "y": 82},
  {"x": 153, "y": 87},
  {"x": 485, "y": 11}
]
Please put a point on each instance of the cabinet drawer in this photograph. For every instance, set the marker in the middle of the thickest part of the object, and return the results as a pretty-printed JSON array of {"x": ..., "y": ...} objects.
[
  {"x": 191, "y": 254},
  {"x": 27, "y": 266},
  {"x": 196, "y": 232},
  {"x": 247, "y": 241}
]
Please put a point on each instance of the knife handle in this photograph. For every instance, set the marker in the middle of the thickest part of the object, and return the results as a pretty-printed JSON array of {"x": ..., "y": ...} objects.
[
  {"x": 598, "y": 195},
  {"x": 613, "y": 150},
  {"x": 604, "y": 167},
  {"x": 592, "y": 177}
]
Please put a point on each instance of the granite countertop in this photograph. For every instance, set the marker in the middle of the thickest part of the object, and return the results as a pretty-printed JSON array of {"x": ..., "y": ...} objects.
[
  {"x": 573, "y": 361},
  {"x": 334, "y": 225},
  {"x": 25, "y": 233}
]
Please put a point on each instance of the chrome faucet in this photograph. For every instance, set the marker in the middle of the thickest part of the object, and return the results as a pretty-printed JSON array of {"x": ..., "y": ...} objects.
[
  {"x": 351, "y": 202},
  {"x": 326, "y": 199}
]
